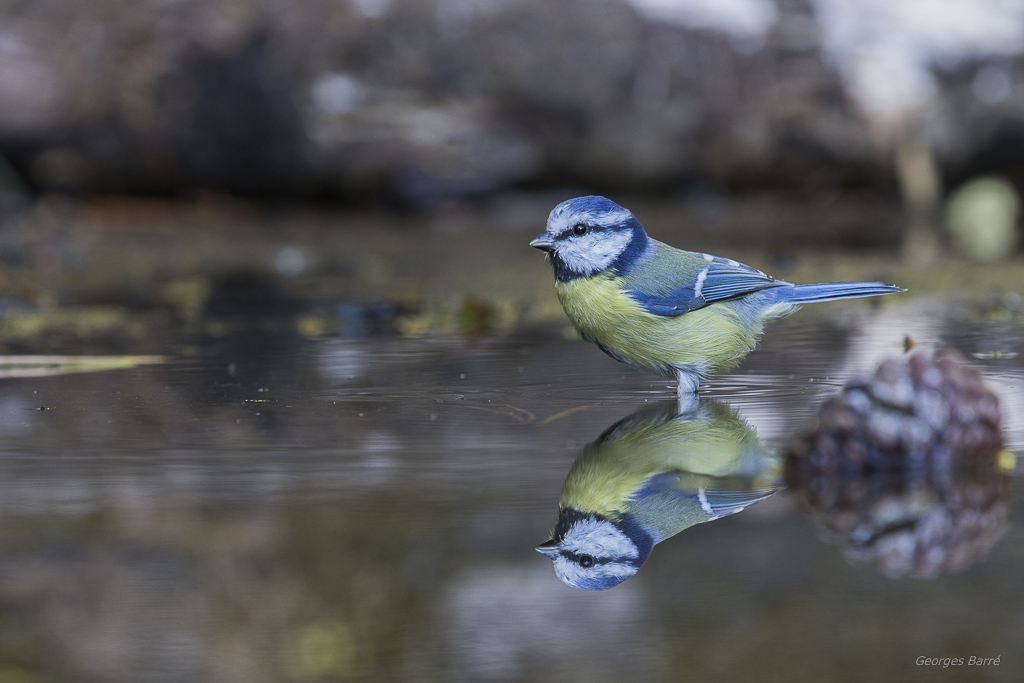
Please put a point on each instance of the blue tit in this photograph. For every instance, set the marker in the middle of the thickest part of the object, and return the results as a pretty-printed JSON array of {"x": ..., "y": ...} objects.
[
  {"x": 647, "y": 478},
  {"x": 680, "y": 314}
]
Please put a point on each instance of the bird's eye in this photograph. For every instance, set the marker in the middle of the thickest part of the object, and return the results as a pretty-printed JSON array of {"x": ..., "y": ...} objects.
[
  {"x": 579, "y": 229},
  {"x": 586, "y": 561}
]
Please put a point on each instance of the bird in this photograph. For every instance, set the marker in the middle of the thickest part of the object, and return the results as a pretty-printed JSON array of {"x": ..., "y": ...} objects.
[
  {"x": 680, "y": 314},
  {"x": 648, "y": 477}
]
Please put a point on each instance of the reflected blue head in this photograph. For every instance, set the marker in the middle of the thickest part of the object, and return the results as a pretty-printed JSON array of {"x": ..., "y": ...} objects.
[{"x": 595, "y": 553}]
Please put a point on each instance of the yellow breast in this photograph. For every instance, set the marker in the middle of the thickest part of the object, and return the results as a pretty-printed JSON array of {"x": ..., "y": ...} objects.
[
  {"x": 707, "y": 340},
  {"x": 714, "y": 443}
]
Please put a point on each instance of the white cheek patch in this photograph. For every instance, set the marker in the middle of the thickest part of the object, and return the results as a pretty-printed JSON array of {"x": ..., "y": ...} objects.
[
  {"x": 599, "y": 538},
  {"x": 593, "y": 252},
  {"x": 596, "y": 576}
]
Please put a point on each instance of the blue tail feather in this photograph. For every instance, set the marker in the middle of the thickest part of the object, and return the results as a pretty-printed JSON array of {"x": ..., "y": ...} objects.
[{"x": 831, "y": 291}]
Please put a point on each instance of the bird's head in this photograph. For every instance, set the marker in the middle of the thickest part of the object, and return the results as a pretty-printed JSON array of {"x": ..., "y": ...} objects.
[
  {"x": 593, "y": 553},
  {"x": 587, "y": 235}
]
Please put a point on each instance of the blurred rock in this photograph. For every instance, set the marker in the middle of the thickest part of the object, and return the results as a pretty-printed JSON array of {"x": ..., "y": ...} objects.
[
  {"x": 892, "y": 55},
  {"x": 30, "y": 86},
  {"x": 982, "y": 217},
  {"x": 426, "y": 99}
]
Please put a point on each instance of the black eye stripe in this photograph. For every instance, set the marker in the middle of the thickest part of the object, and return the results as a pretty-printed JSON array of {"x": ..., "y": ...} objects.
[
  {"x": 575, "y": 557},
  {"x": 571, "y": 232}
]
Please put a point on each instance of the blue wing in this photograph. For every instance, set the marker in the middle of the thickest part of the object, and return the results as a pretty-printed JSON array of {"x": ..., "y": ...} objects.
[
  {"x": 672, "y": 282},
  {"x": 717, "y": 496},
  {"x": 672, "y": 501}
]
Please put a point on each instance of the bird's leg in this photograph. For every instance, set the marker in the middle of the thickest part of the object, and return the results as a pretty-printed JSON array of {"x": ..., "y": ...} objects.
[
  {"x": 688, "y": 382},
  {"x": 686, "y": 392},
  {"x": 686, "y": 404}
]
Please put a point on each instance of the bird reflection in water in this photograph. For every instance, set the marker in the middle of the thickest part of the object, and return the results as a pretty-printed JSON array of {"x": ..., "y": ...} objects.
[
  {"x": 905, "y": 468},
  {"x": 648, "y": 477}
]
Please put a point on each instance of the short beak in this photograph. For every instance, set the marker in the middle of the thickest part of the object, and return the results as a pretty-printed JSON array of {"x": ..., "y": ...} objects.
[
  {"x": 549, "y": 549},
  {"x": 543, "y": 242}
]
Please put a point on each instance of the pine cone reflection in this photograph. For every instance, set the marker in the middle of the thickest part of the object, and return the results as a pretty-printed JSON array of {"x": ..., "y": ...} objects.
[{"x": 903, "y": 467}]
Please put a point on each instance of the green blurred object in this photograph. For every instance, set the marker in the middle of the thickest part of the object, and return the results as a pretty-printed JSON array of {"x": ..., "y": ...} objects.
[
  {"x": 982, "y": 218},
  {"x": 46, "y": 366}
]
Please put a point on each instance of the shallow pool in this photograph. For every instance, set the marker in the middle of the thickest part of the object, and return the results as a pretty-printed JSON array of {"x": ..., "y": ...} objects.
[{"x": 267, "y": 507}]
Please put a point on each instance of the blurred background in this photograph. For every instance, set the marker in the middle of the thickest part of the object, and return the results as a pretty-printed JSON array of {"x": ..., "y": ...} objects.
[
  {"x": 769, "y": 125},
  {"x": 414, "y": 102},
  {"x": 418, "y": 101},
  {"x": 285, "y": 395}
]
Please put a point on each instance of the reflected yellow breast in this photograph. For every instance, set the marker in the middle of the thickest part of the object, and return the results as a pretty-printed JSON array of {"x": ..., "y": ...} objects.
[{"x": 715, "y": 445}]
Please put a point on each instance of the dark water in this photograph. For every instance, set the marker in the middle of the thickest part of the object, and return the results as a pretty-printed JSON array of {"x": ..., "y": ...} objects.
[{"x": 264, "y": 507}]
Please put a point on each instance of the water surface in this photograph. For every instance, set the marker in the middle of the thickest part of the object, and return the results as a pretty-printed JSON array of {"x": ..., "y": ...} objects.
[{"x": 268, "y": 507}]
